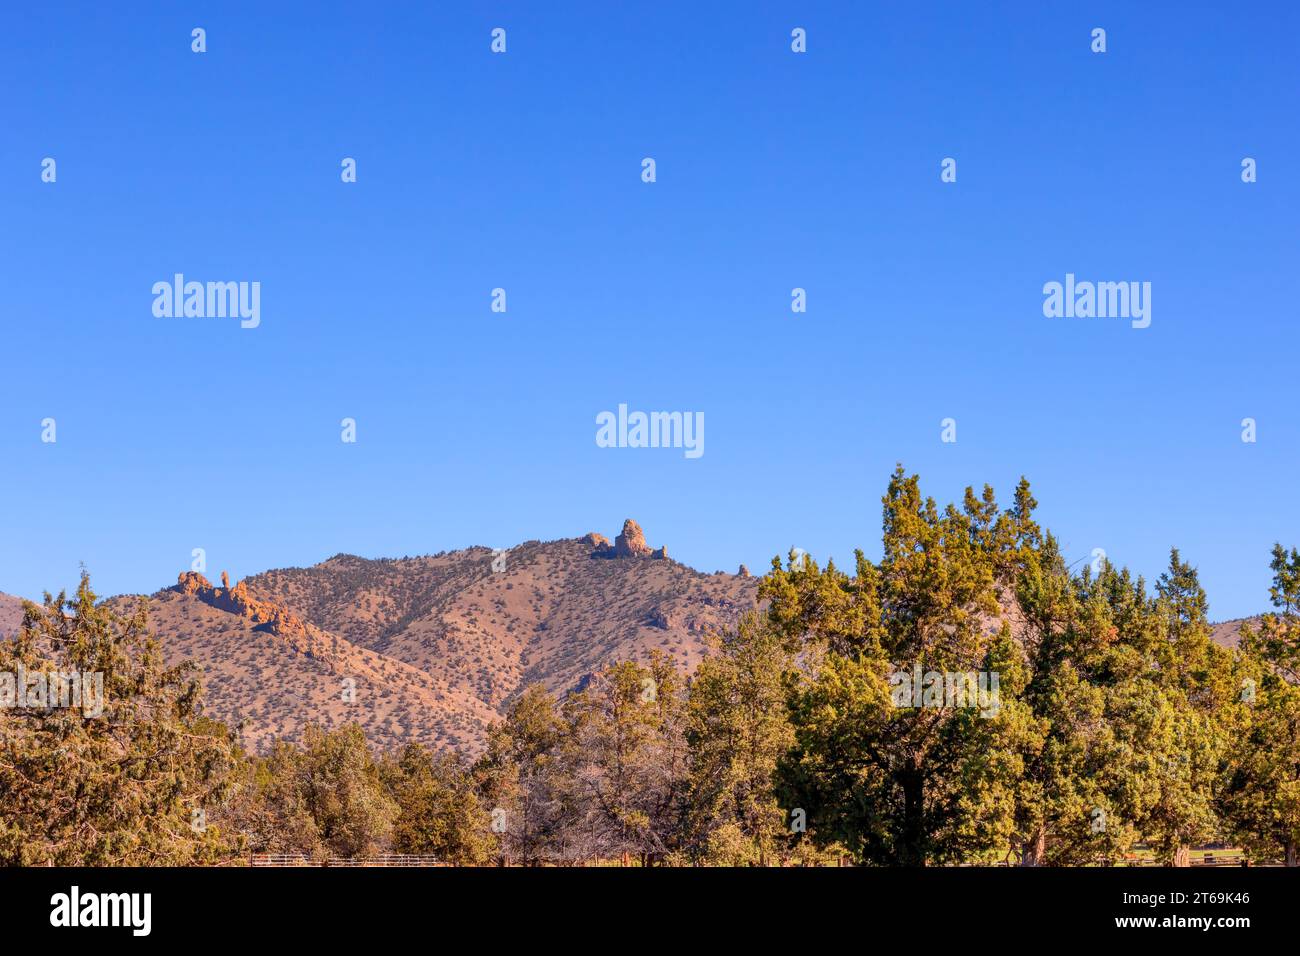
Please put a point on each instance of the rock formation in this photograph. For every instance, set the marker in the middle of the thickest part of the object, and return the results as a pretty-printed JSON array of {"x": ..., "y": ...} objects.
[
  {"x": 631, "y": 541},
  {"x": 236, "y": 600}
]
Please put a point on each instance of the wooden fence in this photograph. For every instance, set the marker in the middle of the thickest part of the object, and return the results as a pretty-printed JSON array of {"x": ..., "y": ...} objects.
[{"x": 386, "y": 859}]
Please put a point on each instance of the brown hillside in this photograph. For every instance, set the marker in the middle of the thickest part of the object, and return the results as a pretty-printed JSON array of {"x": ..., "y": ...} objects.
[
  {"x": 437, "y": 646},
  {"x": 272, "y": 674},
  {"x": 11, "y": 614},
  {"x": 555, "y": 612}
]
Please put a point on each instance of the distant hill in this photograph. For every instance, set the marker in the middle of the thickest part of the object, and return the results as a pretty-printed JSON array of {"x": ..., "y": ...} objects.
[
  {"x": 1228, "y": 633},
  {"x": 435, "y": 647},
  {"x": 11, "y": 614}
]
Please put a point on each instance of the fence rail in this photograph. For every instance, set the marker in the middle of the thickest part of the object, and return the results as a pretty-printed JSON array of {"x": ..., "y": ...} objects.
[
  {"x": 1202, "y": 858},
  {"x": 298, "y": 859}
]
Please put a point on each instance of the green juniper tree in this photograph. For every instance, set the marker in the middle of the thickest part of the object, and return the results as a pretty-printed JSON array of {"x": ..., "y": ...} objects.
[
  {"x": 904, "y": 784},
  {"x": 737, "y": 728},
  {"x": 138, "y": 784},
  {"x": 1262, "y": 798},
  {"x": 439, "y": 811}
]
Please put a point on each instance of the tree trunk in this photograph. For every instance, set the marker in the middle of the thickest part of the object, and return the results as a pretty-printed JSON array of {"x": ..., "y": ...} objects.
[
  {"x": 1292, "y": 853},
  {"x": 1034, "y": 849},
  {"x": 1182, "y": 856},
  {"x": 912, "y": 851}
]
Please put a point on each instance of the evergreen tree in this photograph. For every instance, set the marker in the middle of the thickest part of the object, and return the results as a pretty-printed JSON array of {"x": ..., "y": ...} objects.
[
  {"x": 131, "y": 786},
  {"x": 626, "y": 759},
  {"x": 521, "y": 780},
  {"x": 324, "y": 799},
  {"x": 1262, "y": 797},
  {"x": 738, "y": 727},
  {"x": 439, "y": 812},
  {"x": 904, "y": 784}
]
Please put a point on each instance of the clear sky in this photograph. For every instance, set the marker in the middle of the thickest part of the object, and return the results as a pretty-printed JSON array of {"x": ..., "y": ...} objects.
[{"x": 522, "y": 171}]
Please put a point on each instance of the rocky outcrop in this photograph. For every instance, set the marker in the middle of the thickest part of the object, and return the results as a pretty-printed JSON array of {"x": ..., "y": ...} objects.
[
  {"x": 630, "y": 543},
  {"x": 264, "y": 615},
  {"x": 743, "y": 572}
]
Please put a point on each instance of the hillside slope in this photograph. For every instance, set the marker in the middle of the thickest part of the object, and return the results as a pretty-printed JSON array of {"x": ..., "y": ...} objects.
[
  {"x": 435, "y": 648},
  {"x": 553, "y": 612},
  {"x": 11, "y": 614}
]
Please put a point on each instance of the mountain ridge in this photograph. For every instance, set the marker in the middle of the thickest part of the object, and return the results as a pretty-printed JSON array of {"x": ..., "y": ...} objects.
[
  {"x": 437, "y": 646},
  {"x": 434, "y": 648}
]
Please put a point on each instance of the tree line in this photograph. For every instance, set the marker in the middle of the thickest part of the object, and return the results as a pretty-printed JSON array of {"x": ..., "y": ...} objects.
[{"x": 1118, "y": 724}]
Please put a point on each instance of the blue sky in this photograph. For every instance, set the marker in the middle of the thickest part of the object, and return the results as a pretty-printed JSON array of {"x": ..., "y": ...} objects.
[{"x": 523, "y": 171}]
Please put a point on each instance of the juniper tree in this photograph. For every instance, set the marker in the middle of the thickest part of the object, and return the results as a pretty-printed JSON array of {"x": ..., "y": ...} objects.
[
  {"x": 1262, "y": 798},
  {"x": 737, "y": 728},
  {"x": 520, "y": 779},
  {"x": 439, "y": 811},
  {"x": 325, "y": 798},
  {"x": 134, "y": 785},
  {"x": 1195, "y": 680},
  {"x": 626, "y": 758},
  {"x": 903, "y": 784}
]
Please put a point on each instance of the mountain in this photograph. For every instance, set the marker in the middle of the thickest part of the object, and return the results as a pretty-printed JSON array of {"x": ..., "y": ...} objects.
[
  {"x": 11, "y": 614},
  {"x": 271, "y": 673},
  {"x": 1228, "y": 633},
  {"x": 435, "y": 648}
]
